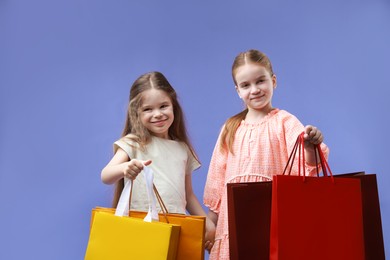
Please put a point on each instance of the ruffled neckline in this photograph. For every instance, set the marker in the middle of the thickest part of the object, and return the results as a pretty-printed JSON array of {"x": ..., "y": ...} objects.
[{"x": 270, "y": 114}]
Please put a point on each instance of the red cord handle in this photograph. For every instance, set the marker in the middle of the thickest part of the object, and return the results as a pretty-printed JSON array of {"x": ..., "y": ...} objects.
[{"x": 299, "y": 147}]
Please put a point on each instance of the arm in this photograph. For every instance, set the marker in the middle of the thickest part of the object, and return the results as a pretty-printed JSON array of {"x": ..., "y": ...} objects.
[
  {"x": 213, "y": 216},
  {"x": 291, "y": 128},
  {"x": 194, "y": 208},
  {"x": 122, "y": 166},
  {"x": 312, "y": 136}
]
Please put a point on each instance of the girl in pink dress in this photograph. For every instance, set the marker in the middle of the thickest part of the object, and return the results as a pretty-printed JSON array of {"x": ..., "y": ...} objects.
[{"x": 253, "y": 145}]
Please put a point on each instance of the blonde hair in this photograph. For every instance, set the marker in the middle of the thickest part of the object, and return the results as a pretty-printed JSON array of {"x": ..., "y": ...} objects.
[
  {"x": 135, "y": 130},
  {"x": 231, "y": 125}
]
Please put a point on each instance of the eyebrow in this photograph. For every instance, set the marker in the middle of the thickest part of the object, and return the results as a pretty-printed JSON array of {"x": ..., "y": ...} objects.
[
  {"x": 262, "y": 76},
  {"x": 257, "y": 78},
  {"x": 159, "y": 104}
]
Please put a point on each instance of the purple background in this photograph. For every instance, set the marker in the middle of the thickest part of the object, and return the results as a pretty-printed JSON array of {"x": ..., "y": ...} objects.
[{"x": 66, "y": 68}]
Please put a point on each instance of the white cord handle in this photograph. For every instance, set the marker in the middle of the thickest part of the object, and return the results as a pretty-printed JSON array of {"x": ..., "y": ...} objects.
[{"x": 123, "y": 204}]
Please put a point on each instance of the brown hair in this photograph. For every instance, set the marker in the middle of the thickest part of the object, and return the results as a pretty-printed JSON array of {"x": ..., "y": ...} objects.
[
  {"x": 134, "y": 128},
  {"x": 231, "y": 125}
]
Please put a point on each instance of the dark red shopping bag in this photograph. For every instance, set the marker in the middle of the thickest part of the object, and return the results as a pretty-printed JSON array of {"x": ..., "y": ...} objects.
[
  {"x": 249, "y": 214},
  {"x": 372, "y": 223},
  {"x": 316, "y": 217}
]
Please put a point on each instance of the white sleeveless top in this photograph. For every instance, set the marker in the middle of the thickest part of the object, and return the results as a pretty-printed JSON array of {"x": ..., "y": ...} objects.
[{"x": 171, "y": 161}]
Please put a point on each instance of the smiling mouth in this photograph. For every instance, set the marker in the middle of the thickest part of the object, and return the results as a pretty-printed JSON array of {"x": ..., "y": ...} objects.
[
  {"x": 257, "y": 97},
  {"x": 160, "y": 122}
]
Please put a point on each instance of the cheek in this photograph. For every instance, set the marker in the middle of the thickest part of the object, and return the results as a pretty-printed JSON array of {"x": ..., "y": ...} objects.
[
  {"x": 144, "y": 118},
  {"x": 171, "y": 113},
  {"x": 243, "y": 93}
]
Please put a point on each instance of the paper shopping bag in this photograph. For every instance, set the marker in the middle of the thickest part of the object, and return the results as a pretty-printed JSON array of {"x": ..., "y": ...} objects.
[
  {"x": 190, "y": 244},
  {"x": 316, "y": 217},
  {"x": 192, "y": 231},
  {"x": 372, "y": 223},
  {"x": 319, "y": 218},
  {"x": 249, "y": 214},
  {"x": 114, "y": 237}
]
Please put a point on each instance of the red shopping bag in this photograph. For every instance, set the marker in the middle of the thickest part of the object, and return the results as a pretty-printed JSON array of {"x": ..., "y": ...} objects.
[
  {"x": 249, "y": 213},
  {"x": 316, "y": 217}
]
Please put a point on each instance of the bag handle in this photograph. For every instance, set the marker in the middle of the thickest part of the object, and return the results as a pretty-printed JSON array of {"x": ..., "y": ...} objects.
[
  {"x": 123, "y": 207},
  {"x": 299, "y": 147},
  {"x": 152, "y": 190}
]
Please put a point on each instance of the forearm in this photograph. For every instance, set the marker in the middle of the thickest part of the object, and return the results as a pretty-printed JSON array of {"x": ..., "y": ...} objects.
[
  {"x": 193, "y": 205},
  {"x": 310, "y": 155},
  {"x": 194, "y": 208},
  {"x": 213, "y": 216},
  {"x": 112, "y": 173},
  {"x": 312, "y": 137}
]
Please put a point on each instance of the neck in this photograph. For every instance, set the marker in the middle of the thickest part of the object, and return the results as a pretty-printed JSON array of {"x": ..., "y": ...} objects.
[{"x": 255, "y": 116}]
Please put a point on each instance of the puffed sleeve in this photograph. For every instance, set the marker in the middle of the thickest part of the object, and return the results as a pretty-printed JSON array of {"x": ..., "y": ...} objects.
[
  {"x": 192, "y": 162},
  {"x": 126, "y": 145},
  {"x": 215, "y": 182}
]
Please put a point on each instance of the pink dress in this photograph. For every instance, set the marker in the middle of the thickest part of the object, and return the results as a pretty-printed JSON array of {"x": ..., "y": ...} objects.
[{"x": 260, "y": 151}]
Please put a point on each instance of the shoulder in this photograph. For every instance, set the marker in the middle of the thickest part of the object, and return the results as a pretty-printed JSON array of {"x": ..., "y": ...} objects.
[
  {"x": 180, "y": 145},
  {"x": 190, "y": 153},
  {"x": 284, "y": 121},
  {"x": 126, "y": 143},
  {"x": 287, "y": 122},
  {"x": 284, "y": 115}
]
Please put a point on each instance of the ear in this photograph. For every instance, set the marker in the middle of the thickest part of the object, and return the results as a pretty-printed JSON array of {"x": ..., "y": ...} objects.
[
  {"x": 238, "y": 92},
  {"x": 274, "y": 81}
]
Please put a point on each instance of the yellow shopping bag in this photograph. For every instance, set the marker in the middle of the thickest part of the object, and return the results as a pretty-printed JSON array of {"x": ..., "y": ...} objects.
[
  {"x": 191, "y": 240},
  {"x": 115, "y": 236},
  {"x": 190, "y": 245}
]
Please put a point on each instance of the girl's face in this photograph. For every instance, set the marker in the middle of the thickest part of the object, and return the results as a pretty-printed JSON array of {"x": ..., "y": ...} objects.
[
  {"x": 255, "y": 86},
  {"x": 156, "y": 112}
]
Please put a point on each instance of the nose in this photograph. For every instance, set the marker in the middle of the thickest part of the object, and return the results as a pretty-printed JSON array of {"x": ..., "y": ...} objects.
[
  {"x": 255, "y": 89},
  {"x": 158, "y": 114}
]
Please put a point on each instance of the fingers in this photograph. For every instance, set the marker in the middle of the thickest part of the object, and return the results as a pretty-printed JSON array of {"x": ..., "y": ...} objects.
[
  {"x": 313, "y": 135},
  {"x": 146, "y": 163},
  {"x": 134, "y": 167},
  {"x": 208, "y": 245},
  {"x": 131, "y": 171},
  {"x": 210, "y": 234}
]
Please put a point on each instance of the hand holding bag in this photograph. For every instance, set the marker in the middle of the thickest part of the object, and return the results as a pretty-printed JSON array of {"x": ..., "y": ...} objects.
[{"x": 121, "y": 237}]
